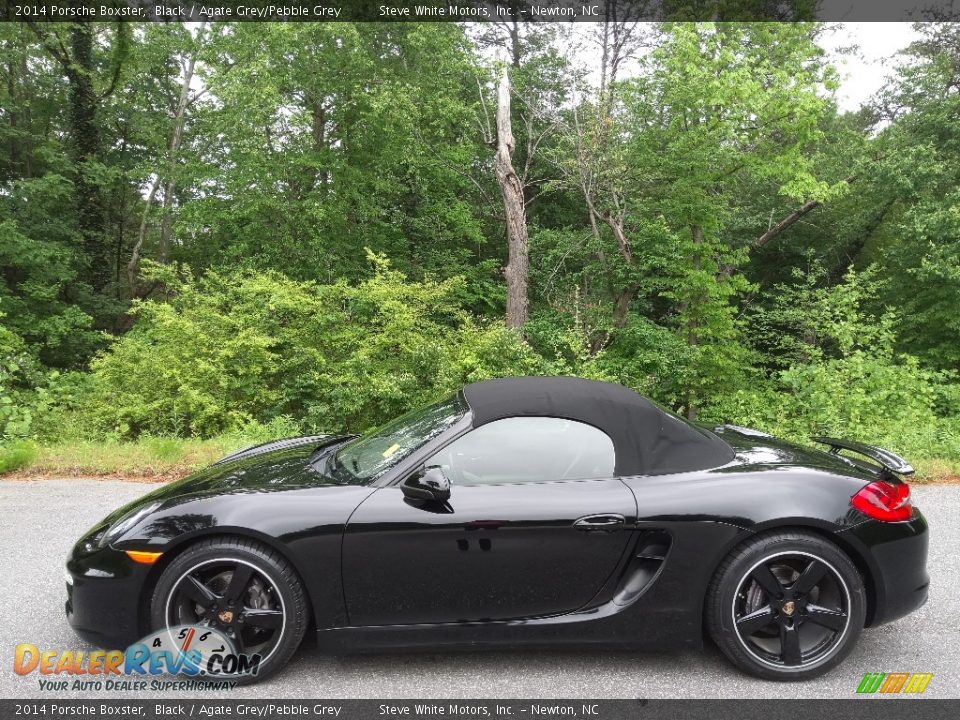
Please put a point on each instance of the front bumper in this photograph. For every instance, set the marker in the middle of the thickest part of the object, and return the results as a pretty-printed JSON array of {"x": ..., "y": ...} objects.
[
  {"x": 104, "y": 597},
  {"x": 896, "y": 558}
]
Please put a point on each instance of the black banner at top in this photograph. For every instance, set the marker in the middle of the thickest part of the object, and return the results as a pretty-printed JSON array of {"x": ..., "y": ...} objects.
[{"x": 475, "y": 10}]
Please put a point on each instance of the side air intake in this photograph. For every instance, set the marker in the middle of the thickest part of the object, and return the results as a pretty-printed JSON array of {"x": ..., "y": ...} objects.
[{"x": 647, "y": 560}]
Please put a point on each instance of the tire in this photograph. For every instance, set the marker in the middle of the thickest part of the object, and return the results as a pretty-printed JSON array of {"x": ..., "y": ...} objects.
[
  {"x": 268, "y": 615},
  {"x": 786, "y": 605}
]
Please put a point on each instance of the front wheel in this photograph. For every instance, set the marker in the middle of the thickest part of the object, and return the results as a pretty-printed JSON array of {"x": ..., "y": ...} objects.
[
  {"x": 241, "y": 588},
  {"x": 786, "y": 606}
]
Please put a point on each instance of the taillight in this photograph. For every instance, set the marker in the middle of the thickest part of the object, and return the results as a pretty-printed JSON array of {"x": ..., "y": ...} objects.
[{"x": 884, "y": 501}]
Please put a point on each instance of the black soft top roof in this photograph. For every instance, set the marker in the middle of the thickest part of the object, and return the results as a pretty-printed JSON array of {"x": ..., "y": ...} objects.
[{"x": 647, "y": 439}]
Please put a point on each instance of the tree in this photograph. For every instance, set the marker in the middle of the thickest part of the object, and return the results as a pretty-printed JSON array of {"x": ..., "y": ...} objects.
[
  {"x": 514, "y": 211},
  {"x": 45, "y": 293},
  {"x": 715, "y": 108},
  {"x": 598, "y": 167},
  {"x": 329, "y": 138},
  {"x": 919, "y": 171},
  {"x": 92, "y": 80},
  {"x": 165, "y": 175}
]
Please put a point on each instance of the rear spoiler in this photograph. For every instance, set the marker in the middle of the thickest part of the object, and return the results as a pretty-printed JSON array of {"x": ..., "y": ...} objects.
[{"x": 888, "y": 460}]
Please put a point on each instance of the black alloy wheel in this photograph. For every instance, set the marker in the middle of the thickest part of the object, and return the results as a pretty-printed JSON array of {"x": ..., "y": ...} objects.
[
  {"x": 791, "y": 609},
  {"x": 232, "y": 596},
  {"x": 786, "y": 606},
  {"x": 244, "y": 590}
]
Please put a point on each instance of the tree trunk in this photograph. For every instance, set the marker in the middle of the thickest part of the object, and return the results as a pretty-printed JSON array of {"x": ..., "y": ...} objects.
[
  {"x": 169, "y": 183},
  {"x": 693, "y": 335},
  {"x": 621, "y": 313},
  {"x": 166, "y": 220},
  {"x": 133, "y": 267},
  {"x": 318, "y": 127},
  {"x": 621, "y": 305},
  {"x": 774, "y": 230},
  {"x": 516, "y": 52},
  {"x": 517, "y": 270},
  {"x": 624, "y": 296},
  {"x": 180, "y": 119},
  {"x": 123, "y": 186},
  {"x": 85, "y": 146},
  {"x": 13, "y": 112}
]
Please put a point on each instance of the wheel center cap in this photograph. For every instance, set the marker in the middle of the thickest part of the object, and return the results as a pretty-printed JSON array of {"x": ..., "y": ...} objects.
[
  {"x": 226, "y": 616},
  {"x": 789, "y": 607}
]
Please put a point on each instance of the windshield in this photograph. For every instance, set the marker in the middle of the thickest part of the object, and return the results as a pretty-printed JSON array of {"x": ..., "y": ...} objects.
[{"x": 381, "y": 449}]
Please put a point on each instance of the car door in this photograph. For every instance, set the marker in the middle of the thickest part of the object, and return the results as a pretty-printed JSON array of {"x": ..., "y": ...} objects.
[{"x": 535, "y": 525}]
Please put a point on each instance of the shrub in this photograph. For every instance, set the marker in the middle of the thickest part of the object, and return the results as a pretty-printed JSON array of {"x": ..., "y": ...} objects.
[
  {"x": 15, "y": 454},
  {"x": 19, "y": 374},
  {"x": 233, "y": 349},
  {"x": 850, "y": 382}
]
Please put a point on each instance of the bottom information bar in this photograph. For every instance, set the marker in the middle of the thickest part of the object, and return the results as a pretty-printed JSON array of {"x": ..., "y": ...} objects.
[{"x": 205, "y": 709}]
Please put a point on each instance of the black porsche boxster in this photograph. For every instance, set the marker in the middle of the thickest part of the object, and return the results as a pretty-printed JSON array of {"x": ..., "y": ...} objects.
[{"x": 521, "y": 511}]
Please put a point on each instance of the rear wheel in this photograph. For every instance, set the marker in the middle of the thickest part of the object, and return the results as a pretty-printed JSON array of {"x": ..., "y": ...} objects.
[
  {"x": 243, "y": 589},
  {"x": 786, "y": 606}
]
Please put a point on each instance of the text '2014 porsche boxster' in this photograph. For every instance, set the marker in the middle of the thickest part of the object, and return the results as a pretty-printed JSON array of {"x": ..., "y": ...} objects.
[{"x": 521, "y": 511}]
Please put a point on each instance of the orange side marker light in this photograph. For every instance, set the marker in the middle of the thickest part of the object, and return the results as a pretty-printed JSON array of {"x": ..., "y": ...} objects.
[{"x": 142, "y": 556}]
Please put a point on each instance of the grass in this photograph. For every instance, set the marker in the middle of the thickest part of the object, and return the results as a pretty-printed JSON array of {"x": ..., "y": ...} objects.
[
  {"x": 160, "y": 458},
  {"x": 16, "y": 455},
  {"x": 169, "y": 458},
  {"x": 937, "y": 470}
]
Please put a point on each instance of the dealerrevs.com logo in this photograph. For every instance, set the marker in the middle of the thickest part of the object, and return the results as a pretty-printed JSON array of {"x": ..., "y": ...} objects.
[
  {"x": 894, "y": 683},
  {"x": 202, "y": 654}
]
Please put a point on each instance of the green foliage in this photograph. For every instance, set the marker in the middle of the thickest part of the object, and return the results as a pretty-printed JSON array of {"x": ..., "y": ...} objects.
[
  {"x": 16, "y": 454},
  {"x": 842, "y": 376},
  {"x": 733, "y": 105},
  {"x": 18, "y": 373},
  {"x": 920, "y": 170},
  {"x": 41, "y": 294},
  {"x": 254, "y": 187},
  {"x": 649, "y": 358},
  {"x": 805, "y": 321},
  {"x": 148, "y": 456},
  {"x": 333, "y": 138},
  {"x": 231, "y": 349}
]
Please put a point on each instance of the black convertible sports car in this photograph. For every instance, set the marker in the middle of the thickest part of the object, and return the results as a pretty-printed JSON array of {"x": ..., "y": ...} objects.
[{"x": 523, "y": 511}]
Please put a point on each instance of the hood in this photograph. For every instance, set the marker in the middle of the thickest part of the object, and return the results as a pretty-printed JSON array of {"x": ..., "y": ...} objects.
[
  {"x": 315, "y": 441},
  {"x": 291, "y": 464},
  {"x": 279, "y": 465}
]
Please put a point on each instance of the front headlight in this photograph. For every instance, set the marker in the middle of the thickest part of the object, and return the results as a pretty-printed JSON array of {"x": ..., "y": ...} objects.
[{"x": 126, "y": 522}]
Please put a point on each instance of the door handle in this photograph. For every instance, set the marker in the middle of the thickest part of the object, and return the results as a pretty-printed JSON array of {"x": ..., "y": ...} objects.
[{"x": 608, "y": 522}]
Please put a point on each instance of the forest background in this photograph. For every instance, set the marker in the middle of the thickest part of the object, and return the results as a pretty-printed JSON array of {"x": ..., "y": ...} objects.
[{"x": 214, "y": 234}]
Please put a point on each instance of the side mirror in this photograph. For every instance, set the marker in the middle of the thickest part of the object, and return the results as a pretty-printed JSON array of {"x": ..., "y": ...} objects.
[{"x": 431, "y": 484}]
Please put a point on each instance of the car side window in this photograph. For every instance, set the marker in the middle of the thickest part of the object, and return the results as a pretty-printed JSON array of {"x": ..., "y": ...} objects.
[{"x": 527, "y": 449}]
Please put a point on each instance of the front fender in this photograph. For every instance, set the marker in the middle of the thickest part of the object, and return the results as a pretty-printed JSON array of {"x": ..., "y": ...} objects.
[{"x": 304, "y": 526}]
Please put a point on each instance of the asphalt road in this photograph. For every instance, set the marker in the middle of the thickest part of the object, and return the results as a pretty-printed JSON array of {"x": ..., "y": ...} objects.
[{"x": 40, "y": 520}]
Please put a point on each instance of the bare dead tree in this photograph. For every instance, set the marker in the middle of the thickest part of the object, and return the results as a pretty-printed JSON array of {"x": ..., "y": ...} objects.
[{"x": 514, "y": 208}]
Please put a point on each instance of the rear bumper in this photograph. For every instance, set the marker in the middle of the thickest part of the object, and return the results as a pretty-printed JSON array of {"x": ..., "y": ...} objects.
[
  {"x": 103, "y": 597},
  {"x": 896, "y": 557}
]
